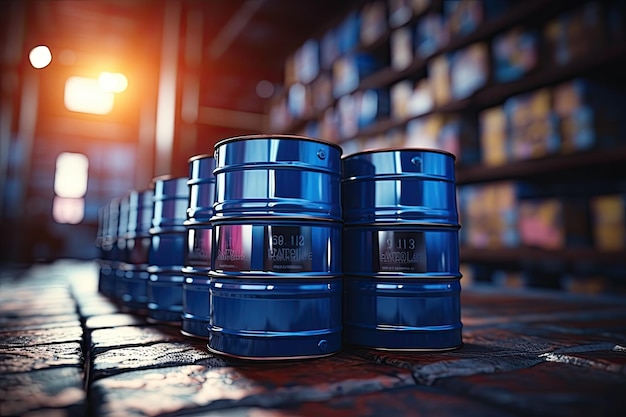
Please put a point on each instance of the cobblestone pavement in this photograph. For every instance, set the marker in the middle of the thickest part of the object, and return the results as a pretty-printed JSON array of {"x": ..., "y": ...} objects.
[{"x": 65, "y": 350}]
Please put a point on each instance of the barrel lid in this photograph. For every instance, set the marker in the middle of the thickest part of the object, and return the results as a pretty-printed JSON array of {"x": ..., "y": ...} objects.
[
  {"x": 201, "y": 156},
  {"x": 278, "y": 136},
  {"x": 412, "y": 149}
]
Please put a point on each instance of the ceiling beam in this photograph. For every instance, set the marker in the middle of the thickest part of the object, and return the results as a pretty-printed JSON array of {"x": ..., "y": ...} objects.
[{"x": 233, "y": 28}]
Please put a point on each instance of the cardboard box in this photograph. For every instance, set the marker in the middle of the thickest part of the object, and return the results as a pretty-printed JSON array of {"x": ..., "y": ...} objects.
[
  {"x": 469, "y": 70},
  {"x": 609, "y": 222},
  {"x": 493, "y": 136},
  {"x": 514, "y": 54}
]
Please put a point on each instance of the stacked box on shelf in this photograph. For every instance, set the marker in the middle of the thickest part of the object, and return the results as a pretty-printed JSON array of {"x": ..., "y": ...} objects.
[
  {"x": 609, "y": 222},
  {"x": 575, "y": 33},
  {"x": 459, "y": 136},
  {"x": 438, "y": 69},
  {"x": 300, "y": 100},
  {"x": 532, "y": 125},
  {"x": 515, "y": 53},
  {"x": 401, "y": 47},
  {"x": 421, "y": 99},
  {"x": 402, "y": 11},
  {"x": 431, "y": 34},
  {"x": 329, "y": 125},
  {"x": 312, "y": 129},
  {"x": 347, "y": 115},
  {"x": 489, "y": 215},
  {"x": 349, "y": 70},
  {"x": 329, "y": 49},
  {"x": 373, "y": 22},
  {"x": 465, "y": 16},
  {"x": 400, "y": 95},
  {"x": 361, "y": 109},
  {"x": 590, "y": 114},
  {"x": 469, "y": 70},
  {"x": 322, "y": 91},
  {"x": 423, "y": 132},
  {"x": 410, "y": 98},
  {"x": 349, "y": 33},
  {"x": 307, "y": 61},
  {"x": 493, "y": 136},
  {"x": 290, "y": 70},
  {"x": 372, "y": 105},
  {"x": 279, "y": 117},
  {"x": 452, "y": 133},
  {"x": 540, "y": 223}
]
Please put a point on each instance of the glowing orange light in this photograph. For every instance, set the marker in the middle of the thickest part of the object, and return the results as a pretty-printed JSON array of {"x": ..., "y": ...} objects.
[
  {"x": 40, "y": 56},
  {"x": 70, "y": 176},
  {"x": 112, "y": 82},
  {"x": 68, "y": 210},
  {"x": 84, "y": 95},
  {"x": 70, "y": 186}
]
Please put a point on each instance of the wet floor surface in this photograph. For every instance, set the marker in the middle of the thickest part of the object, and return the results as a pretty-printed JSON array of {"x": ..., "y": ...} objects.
[{"x": 66, "y": 350}]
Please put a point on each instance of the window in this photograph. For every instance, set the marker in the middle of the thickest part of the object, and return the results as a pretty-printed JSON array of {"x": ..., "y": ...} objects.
[{"x": 70, "y": 186}]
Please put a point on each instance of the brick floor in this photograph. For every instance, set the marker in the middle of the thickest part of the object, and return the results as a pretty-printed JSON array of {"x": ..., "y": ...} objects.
[{"x": 66, "y": 350}]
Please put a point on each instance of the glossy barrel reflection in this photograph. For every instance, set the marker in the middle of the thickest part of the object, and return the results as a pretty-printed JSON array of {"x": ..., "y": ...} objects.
[
  {"x": 195, "y": 316},
  {"x": 286, "y": 318},
  {"x": 134, "y": 291},
  {"x": 110, "y": 252},
  {"x": 401, "y": 250},
  {"x": 275, "y": 282},
  {"x": 167, "y": 250}
]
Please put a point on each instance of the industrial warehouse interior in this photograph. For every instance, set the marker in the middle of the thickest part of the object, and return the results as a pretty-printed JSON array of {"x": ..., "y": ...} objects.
[{"x": 496, "y": 129}]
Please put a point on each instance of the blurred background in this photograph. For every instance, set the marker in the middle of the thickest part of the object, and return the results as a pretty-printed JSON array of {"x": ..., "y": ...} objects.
[{"x": 99, "y": 97}]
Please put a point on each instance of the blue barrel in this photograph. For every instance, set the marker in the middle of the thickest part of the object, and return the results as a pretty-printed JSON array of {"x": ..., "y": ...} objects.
[
  {"x": 110, "y": 252},
  {"x": 276, "y": 280},
  {"x": 195, "y": 317},
  {"x": 167, "y": 250},
  {"x": 401, "y": 250},
  {"x": 133, "y": 291},
  {"x": 122, "y": 250}
]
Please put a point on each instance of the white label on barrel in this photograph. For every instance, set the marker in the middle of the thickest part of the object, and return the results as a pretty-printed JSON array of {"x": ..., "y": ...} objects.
[
  {"x": 400, "y": 252},
  {"x": 199, "y": 247},
  {"x": 233, "y": 247},
  {"x": 288, "y": 249}
]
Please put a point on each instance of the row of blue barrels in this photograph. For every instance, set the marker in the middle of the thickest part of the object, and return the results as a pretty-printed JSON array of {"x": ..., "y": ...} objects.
[{"x": 278, "y": 246}]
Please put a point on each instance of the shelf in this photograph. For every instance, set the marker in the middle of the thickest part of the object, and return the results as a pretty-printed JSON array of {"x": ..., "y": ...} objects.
[
  {"x": 497, "y": 93},
  {"x": 493, "y": 94},
  {"x": 605, "y": 159},
  {"x": 526, "y": 254}
]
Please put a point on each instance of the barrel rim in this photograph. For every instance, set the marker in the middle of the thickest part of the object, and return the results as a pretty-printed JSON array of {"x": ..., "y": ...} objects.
[
  {"x": 168, "y": 177},
  {"x": 278, "y": 136},
  {"x": 200, "y": 156},
  {"x": 395, "y": 149}
]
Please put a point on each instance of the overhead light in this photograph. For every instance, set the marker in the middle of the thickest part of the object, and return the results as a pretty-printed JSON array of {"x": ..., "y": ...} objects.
[
  {"x": 112, "y": 82},
  {"x": 84, "y": 95},
  {"x": 40, "y": 56}
]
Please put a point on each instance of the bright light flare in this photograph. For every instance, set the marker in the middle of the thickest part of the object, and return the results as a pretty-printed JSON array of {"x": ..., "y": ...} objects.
[
  {"x": 112, "y": 82},
  {"x": 70, "y": 177},
  {"x": 84, "y": 95},
  {"x": 70, "y": 186},
  {"x": 40, "y": 56},
  {"x": 68, "y": 210}
]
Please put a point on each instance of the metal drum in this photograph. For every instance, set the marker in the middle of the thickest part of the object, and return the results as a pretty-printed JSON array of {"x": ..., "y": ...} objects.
[
  {"x": 122, "y": 250},
  {"x": 167, "y": 250},
  {"x": 110, "y": 252},
  {"x": 195, "y": 317},
  {"x": 276, "y": 281},
  {"x": 133, "y": 291},
  {"x": 401, "y": 250}
]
